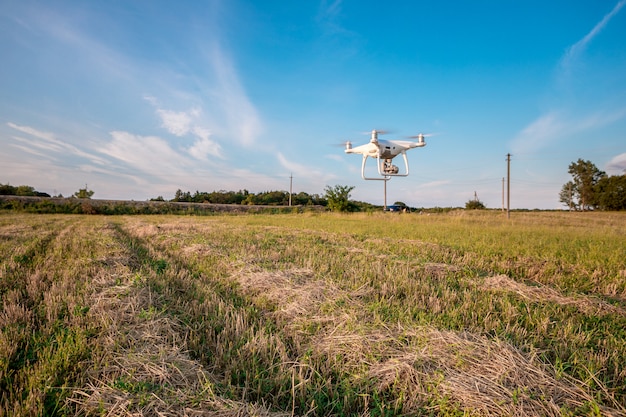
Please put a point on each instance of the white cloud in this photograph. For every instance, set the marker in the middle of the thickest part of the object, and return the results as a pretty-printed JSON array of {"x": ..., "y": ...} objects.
[
  {"x": 303, "y": 171},
  {"x": 572, "y": 115},
  {"x": 188, "y": 123},
  {"x": 434, "y": 184},
  {"x": 335, "y": 157},
  {"x": 33, "y": 132},
  {"x": 204, "y": 147},
  {"x": 574, "y": 51},
  {"x": 177, "y": 123},
  {"x": 537, "y": 134},
  {"x": 30, "y": 150},
  {"x": 617, "y": 165},
  {"x": 555, "y": 125},
  {"x": 149, "y": 154},
  {"x": 49, "y": 142},
  {"x": 240, "y": 114}
]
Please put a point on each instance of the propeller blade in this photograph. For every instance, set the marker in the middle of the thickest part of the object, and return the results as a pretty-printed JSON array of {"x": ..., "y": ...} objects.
[
  {"x": 421, "y": 135},
  {"x": 379, "y": 131}
]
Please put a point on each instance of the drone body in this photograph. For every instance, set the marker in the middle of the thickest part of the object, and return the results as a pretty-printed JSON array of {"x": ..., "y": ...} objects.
[{"x": 384, "y": 151}]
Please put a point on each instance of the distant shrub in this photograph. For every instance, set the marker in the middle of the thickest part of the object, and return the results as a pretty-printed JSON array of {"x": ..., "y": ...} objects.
[{"x": 474, "y": 205}]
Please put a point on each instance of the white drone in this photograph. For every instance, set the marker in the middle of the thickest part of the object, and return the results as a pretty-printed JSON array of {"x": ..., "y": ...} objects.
[{"x": 384, "y": 151}]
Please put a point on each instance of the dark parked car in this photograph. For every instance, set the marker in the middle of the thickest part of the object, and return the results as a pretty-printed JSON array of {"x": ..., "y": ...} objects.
[{"x": 395, "y": 208}]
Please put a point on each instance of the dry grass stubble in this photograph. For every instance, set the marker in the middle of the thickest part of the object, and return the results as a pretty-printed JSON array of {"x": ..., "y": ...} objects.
[
  {"x": 485, "y": 375},
  {"x": 144, "y": 368},
  {"x": 584, "y": 303}
]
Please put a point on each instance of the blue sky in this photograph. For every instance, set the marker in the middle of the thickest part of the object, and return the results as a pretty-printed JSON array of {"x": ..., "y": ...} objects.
[{"x": 139, "y": 98}]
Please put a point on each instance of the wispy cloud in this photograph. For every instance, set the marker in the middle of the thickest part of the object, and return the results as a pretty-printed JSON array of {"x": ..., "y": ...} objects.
[
  {"x": 434, "y": 184},
  {"x": 565, "y": 119},
  {"x": 617, "y": 165},
  {"x": 328, "y": 15},
  {"x": 47, "y": 136},
  {"x": 546, "y": 128},
  {"x": 28, "y": 148},
  {"x": 50, "y": 143},
  {"x": 555, "y": 125},
  {"x": 302, "y": 171},
  {"x": 574, "y": 51},
  {"x": 149, "y": 154},
  {"x": 241, "y": 115}
]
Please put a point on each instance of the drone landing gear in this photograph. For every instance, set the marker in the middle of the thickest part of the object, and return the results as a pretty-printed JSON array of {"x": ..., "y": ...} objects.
[{"x": 386, "y": 169}]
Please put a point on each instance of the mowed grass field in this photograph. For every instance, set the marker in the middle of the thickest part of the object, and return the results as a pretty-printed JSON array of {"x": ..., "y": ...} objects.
[{"x": 463, "y": 313}]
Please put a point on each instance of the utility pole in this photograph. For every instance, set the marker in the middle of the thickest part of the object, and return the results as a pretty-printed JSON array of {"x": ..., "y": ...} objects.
[
  {"x": 290, "y": 187},
  {"x": 508, "y": 185}
]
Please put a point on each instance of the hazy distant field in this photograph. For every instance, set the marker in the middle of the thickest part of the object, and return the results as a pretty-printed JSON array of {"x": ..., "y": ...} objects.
[{"x": 465, "y": 313}]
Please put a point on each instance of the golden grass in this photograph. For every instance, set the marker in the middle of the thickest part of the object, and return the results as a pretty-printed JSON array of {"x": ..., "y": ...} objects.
[
  {"x": 312, "y": 315},
  {"x": 585, "y": 303},
  {"x": 488, "y": 376}
]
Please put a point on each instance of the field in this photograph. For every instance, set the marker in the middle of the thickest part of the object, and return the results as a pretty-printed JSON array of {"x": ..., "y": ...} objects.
[{"x": 455, "y": 314}]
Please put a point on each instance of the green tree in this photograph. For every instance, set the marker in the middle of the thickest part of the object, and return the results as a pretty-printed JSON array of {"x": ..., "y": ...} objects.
[
  {"x": 181, "y": 196},
  {"x": 566, "y": 196},
  {"x": 582, "y": 188},
  {"x": 6, "y": 189},
  {"x": 474, "y": 204},
  {"x": 338, "y": 197},
  {"x": 25, "y": 190},
  {"x": 611, "y": 193},
  {"x": 84, "y": 193}
]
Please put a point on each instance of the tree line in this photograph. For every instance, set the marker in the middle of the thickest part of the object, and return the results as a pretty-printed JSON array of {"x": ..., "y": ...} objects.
[
  {"x": 265, "y": 198},
  {"x": 336, "y": 198},
  {"x": 592, "y": 189},
  {"x": 21, "y": 190},
  {"x": 29, "y": 191}
]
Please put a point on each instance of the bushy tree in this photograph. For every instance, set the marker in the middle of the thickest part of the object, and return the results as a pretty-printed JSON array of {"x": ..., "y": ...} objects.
[
  {"x": 338, "y": 197},
  {"x": 580, "y": 193},
  {"x": 611, "y": 193},
  {"x": 25, "y": 190},
  {"x": 22, "y": 190},
  {"x": 474, "y": 204},
  {"x": 181, "y": 196},
  {"x": 6, "y": 189},
  {"x": 566, "y": 196},
  {"x": 84, "y": 193}
]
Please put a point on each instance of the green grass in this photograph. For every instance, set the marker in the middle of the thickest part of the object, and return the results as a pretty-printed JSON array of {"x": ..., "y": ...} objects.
[{"x": 447, "y": 314}]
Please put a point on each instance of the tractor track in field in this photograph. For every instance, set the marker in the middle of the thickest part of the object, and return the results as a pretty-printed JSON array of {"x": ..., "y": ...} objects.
[{"x": 145, "y": 367}]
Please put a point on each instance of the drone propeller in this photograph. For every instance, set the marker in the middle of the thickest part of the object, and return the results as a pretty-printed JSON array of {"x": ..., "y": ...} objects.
[
  {"x": 421, "y": 135},
  {"x": 378, "y": 131}
]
